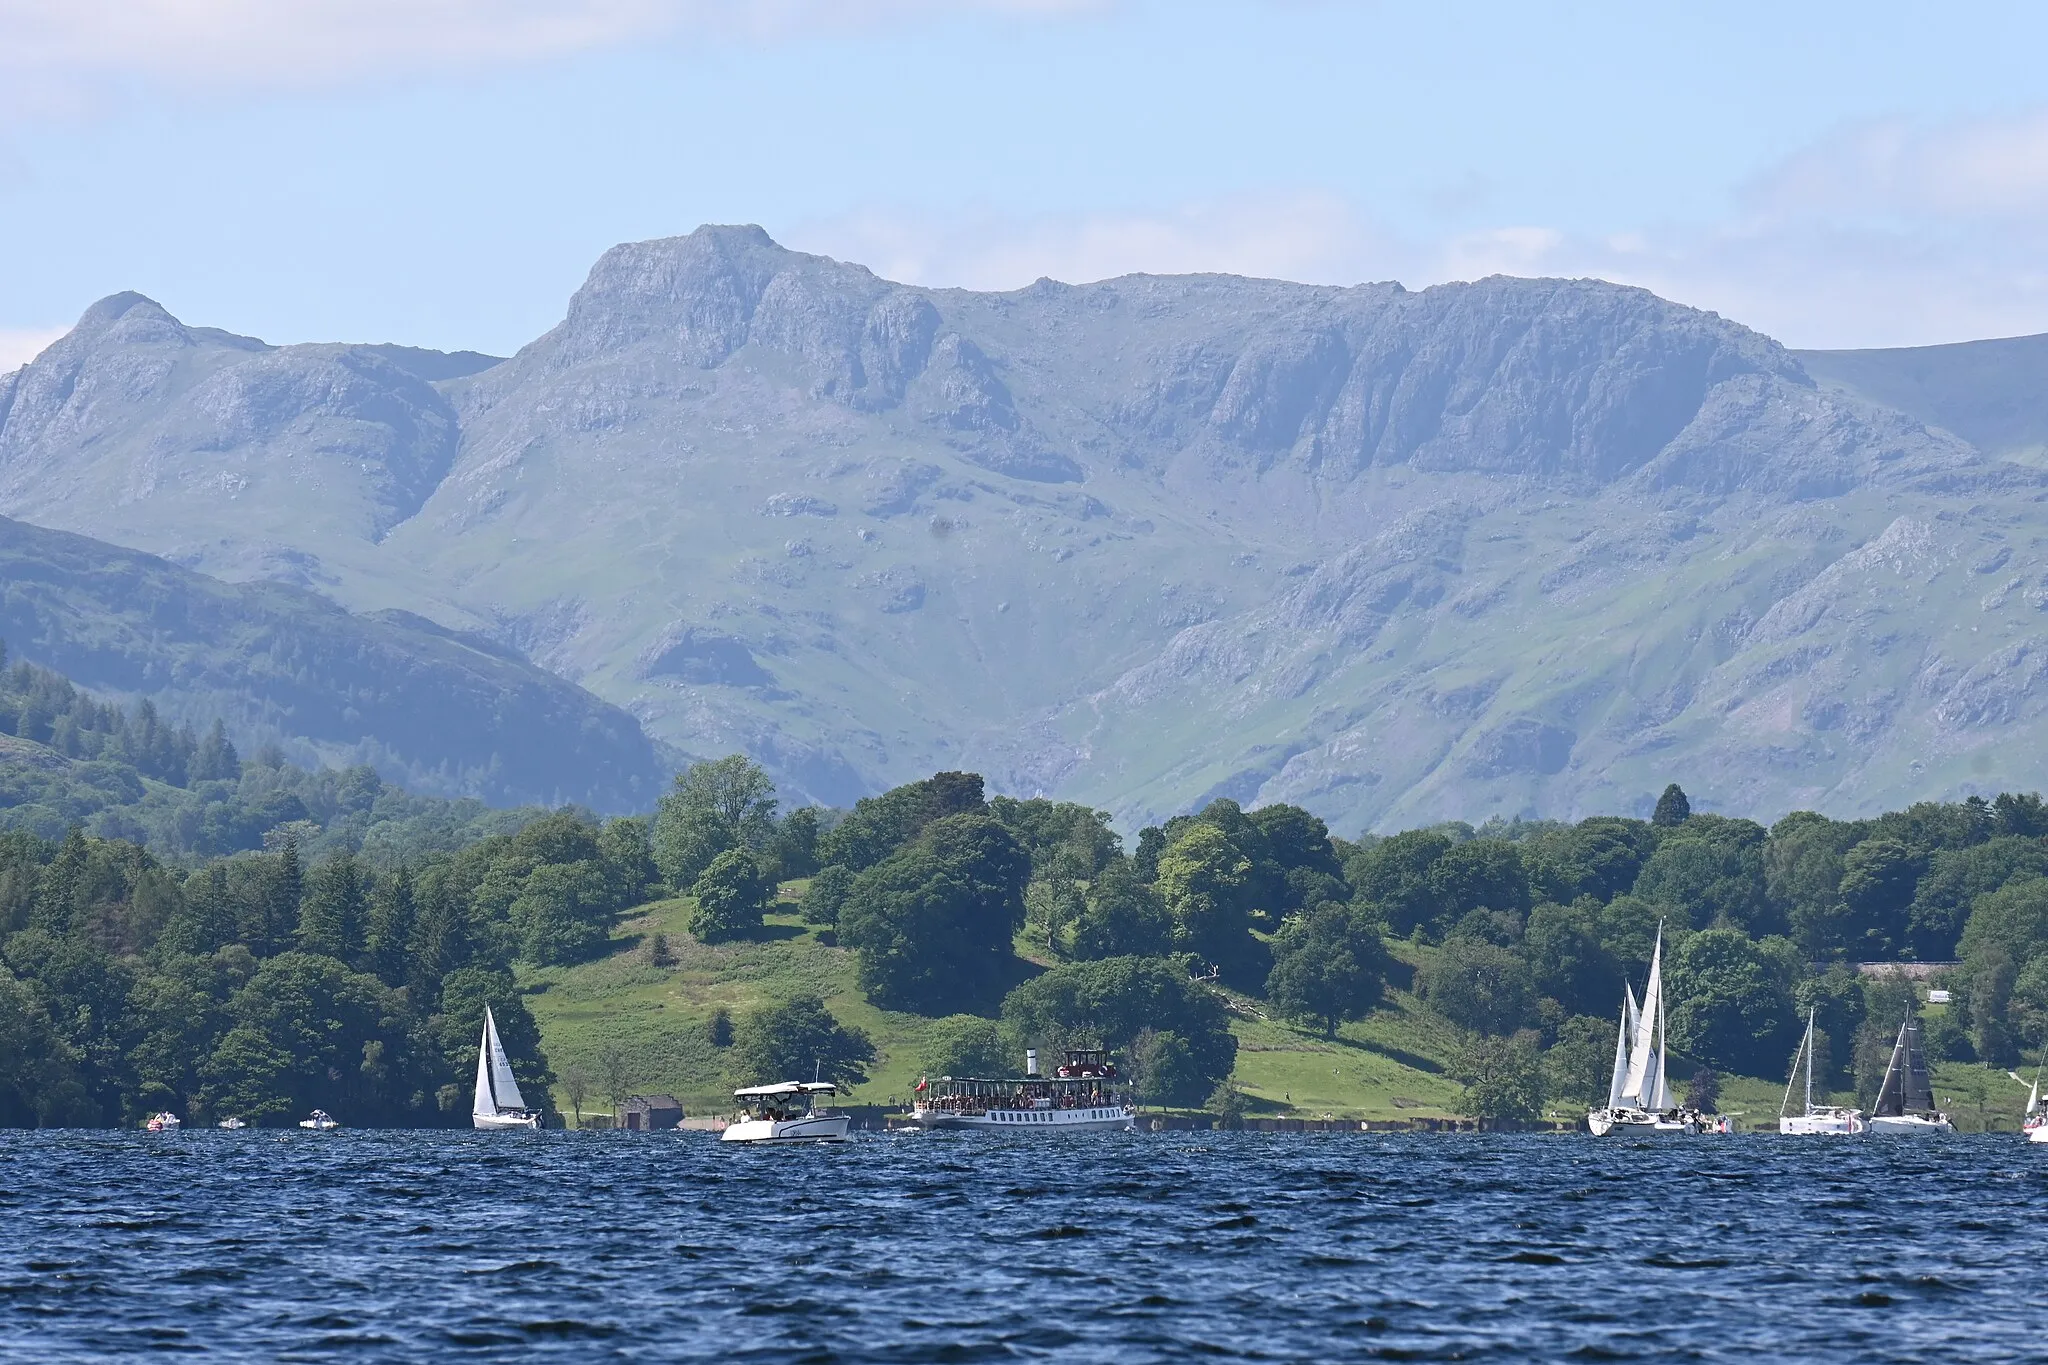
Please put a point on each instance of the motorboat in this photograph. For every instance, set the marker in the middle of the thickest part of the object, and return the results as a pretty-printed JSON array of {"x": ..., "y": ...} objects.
[
  {"x": 231, "y": 1123},
  {"x": 1905, "y": 1102},
  {"x": 166, "y": 1122},
  {"x": 1084, "y": 1096},
  {"x": 1815, "y": 1119},
  {"x": 1639, "y": 1100},
  {"x": 498, "y": 1103},
  {"x": 321, "y": 1122},
  {"x": 786, "y": 1112}
]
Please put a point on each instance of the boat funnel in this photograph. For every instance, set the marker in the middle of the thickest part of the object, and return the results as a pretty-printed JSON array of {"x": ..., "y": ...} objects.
[{"x": 1031, "y": 1061}]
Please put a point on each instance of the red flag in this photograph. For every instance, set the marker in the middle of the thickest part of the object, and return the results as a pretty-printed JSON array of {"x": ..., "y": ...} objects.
[{"x": 920, "y": 1082}]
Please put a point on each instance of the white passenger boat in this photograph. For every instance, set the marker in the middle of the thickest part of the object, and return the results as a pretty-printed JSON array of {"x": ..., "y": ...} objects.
[
  {"x": 1905, "y": 1102},
  {"x": 1085, "y": 1096},
  {"x": 786, "y": 1112},
  {"x": 321, "y": 1122},
  {"x": 1815, "y": 1119},
  {"x": 1638, "y": 1095},
  {"x": 498, "y": 1103}
]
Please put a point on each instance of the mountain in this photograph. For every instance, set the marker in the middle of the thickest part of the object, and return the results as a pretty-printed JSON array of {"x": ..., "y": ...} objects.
[
  {"x": 1993, "y": 394},
  {"x": 1514, "y": 546},
  {"x": 445, "y": 713}
]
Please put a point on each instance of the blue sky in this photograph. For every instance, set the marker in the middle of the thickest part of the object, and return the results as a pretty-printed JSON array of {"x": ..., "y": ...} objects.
[{"x": 442, "y": 172}]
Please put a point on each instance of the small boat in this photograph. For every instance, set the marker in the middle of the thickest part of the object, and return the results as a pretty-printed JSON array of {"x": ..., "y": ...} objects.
[
  {"x": 166, "y": 1122},
  {"x": 2035, "y": 1122},
  {"x": 1085, "y": 1096},
  {"x": 1815, "y": 1119},
  {"x": 1905, "y": 1102},
  {"x": 498, "y": 1103},
  {"x": 321, "y": 1121},
  {"x": 231, "y": 1123},
  {"x": 1638, "y": 1096},
  {"x": 786, "y": 1112}
]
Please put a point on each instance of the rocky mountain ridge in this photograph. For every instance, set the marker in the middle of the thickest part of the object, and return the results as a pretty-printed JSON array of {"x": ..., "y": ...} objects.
[{"x": 1515, "y": 545}]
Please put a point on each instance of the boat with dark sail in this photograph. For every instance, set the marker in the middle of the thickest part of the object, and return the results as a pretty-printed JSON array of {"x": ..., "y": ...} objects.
[
  {"x": 1085, "y": 1096},
  {"x": 1905, "y": 1102}
]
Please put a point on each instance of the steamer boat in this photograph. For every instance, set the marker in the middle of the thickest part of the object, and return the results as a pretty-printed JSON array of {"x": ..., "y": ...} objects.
[{"x": 1084, "y": 1096}]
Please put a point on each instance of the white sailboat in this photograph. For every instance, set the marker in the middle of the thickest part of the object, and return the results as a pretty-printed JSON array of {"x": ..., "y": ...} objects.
[
  {"x": 1905, "y": 1102},
  {"x": 1638, "y": 1094},
  {"x": 498, "y": 1103},
  {"x": 1814, "y": 1119}
]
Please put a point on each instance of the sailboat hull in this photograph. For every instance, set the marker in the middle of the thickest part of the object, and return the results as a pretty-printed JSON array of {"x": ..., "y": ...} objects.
[
  {"x": 1911, "y": 1125},
  {"x": 1641, "y": 1123},
  {"x": 2038, "y": 1133},
  {"x": 1822, "y": 1125},
  {"x": 500, "y": 1122}
]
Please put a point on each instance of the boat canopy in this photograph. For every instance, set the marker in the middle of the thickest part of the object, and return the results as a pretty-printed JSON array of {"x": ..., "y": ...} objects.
[{"x": 784, "y": 1088}]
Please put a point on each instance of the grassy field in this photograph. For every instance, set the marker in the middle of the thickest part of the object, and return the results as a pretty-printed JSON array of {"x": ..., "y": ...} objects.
[{"x": 1389, "y": 1066}]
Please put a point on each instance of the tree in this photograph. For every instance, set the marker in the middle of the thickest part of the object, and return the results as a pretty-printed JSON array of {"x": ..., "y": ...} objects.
[
  {"x": 714, "y": 808},
  {"x": 1392, "y": 875},
  {"x": 933, "y": 924},
  {"x": 1580, "y": 1063},
  {"x": 617, "y": 1071},
  {"x": 732, "y": 896},
  {"x": 309, "y": 1032},
  {"x": 965, "y": 1045},
  {"x": 799, "y": 1040},
  {"x": 1123, "y": 917},
  {"x": 1479, "y": 986},
  {"x": 1731, "y": 1006},
  {"x": 880, "y": 826},
  {"x": 1203, "y": 879},
  {"x": 1113, "y": 1001},
  {"x": 1703, "y": 1092},
  {"x": 1672, "y": 810},
  {"x": 393, "y": 917},
  {"x": 1566, "y": 959},
  {"x": 1050, "y": 905},
  {"x": 1327, "y": 966},
  {"x": 626, "y": 853},
  {"x": 719, "y": 1029},
  {"x": 1503, "y": 1077},
  {"x": 333, "y": 913},
  {"x": 1879, "y": 877},
  {"x": 1163, "y": 1069},
  {"x": 827, "y": 891},
  {"x": 576, "y": 1085},
  {"x": 459, "y": 1029},
  {"x": 1709, "y": 871},
  {"x": 794, "y": 849},
  {"x": 1954, "y": 880},
  {"x": 561, "y": 912},
  {"x": 1479, "y": 874}
]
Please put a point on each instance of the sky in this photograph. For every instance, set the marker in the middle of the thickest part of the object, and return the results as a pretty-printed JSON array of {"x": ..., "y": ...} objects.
[{"x": 443, "y": 172}]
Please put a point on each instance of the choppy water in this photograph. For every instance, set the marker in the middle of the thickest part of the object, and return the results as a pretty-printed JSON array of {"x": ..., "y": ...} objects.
[{"x": 405, "y": 1246}]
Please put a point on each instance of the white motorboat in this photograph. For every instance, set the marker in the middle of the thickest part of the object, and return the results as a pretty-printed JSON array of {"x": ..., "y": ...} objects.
[
  {"x": 321, "y": 1122},
  {"x": 1638, "y": 1095},
  {"x": 231, "y": 1123},
  {"x": 166, "y": 1122},
  {"x": 1905, "y": 1102},
  {"x": 1815, "y": 1119},
  {"x": 498, "y": 1103},
  {"x": 786, "y": 1112},
  {"x": 1085, "y": 1096}
]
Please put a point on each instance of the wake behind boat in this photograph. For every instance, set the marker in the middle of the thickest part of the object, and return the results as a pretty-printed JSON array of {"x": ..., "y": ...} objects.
[
  {"x": 1905, "y": 1102},
  {"x": 1638, "y": 1097},
  {"x": 498, "y": 1104},
  {"x": 1815, "y": 1119},
  {"x": 786, "y": 1112},
  {"x": 1086, "y": 1096}
]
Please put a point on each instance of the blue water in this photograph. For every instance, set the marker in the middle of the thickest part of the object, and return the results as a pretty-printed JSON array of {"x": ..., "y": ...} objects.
[{"x": 409, "y": 1246}]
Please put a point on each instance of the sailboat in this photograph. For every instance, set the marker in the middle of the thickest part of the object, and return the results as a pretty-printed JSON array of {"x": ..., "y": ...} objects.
[
  {"x": 498, "y": 1101},
  {"x": 1905, "y": 1102},
  {"x": 1814, "y": 1119},
  {"x": 1638, "y": 1096},
  {"x": 2035, "y": 1124}
]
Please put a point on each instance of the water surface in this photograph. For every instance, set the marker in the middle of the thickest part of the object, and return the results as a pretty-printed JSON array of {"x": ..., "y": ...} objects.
[{"x": 965, "y": 1247}]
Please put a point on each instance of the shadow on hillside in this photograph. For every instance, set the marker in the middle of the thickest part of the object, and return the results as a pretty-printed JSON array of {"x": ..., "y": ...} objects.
[
  {"x": 769, "y": 933},
  {"x": 1395, "y": 1054}
]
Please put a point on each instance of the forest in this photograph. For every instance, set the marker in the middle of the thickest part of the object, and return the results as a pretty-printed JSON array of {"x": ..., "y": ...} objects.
[{"x": 339, "y": 959}]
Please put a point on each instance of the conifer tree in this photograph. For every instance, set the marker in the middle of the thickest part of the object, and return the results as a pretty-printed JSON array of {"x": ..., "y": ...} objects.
[{"x": 332, "y": 911}]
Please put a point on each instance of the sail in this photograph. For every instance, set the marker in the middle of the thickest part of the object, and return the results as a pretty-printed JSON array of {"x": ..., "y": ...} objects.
[
  {"x": 1639, "y": 1089},
  {"x": 1793, "y": 1078},
  {"x": 1628, "y": 1019},
  {"x": 1919, "y": 1089},
  {"x": 484, "y": 1104},
  {"x": 1660, "y": 1093},
  {"x": 501, "y": 1066},
  {"x": 2034, "y": 1097},
  {"x": 1891, "y": 1096}
]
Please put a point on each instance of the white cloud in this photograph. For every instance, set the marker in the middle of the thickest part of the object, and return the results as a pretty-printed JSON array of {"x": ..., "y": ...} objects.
[
  {"x": 1885, "y": 235},
  {"x": 19, "y": 345},
  {"x": 67, "y": 55}
]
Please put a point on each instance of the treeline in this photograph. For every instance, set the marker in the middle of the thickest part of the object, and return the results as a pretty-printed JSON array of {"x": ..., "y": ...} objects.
[
  {"x": 1524, "y": 930},
  {"x": 187, "y": 796},
  {"x": 263, "y": 985}
]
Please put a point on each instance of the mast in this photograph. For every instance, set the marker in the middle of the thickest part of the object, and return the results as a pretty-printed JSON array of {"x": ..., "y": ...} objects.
[
  {"x": 1809, "y": 1061},
  {"x": 1891, "y": 1099},
  {"x": 1662, "y": 1099},
  {"x": 1805, "y": 1045}
]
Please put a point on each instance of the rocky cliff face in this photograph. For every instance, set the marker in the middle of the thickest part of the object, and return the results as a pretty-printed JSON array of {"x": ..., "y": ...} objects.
[{"x": 1511, "y": 545}]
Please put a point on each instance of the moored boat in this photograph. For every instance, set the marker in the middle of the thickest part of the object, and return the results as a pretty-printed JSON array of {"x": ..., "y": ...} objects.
[
  {"x": 1815, "y": 1119},
  {"x": 321, "y": 1122},
  {"x": 786, "y": 1112},
  {"x": 231, "y": 1123},
  {"x": 1086, "y": 1095},
  {"x": 498, "y": 1104},
  {"x": 166, "y": 1122},
  {"x": 1638, "y": 1095},
  {"x": 1905, "y": 1102}
]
